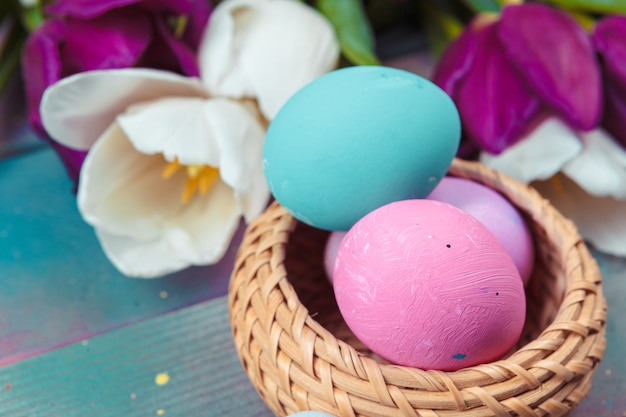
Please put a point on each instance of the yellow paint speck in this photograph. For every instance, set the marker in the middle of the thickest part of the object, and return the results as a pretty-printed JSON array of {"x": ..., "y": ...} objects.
[
  {"x": 85, "y": 342},
  {"x": 160, "y": 411},
  {"x": 162, "y": 378},
  {"x": 608, "y": 372},
  {"x": 163, "y": 294}
]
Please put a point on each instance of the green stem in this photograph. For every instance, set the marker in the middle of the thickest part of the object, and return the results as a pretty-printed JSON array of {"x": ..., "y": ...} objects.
[{"x": 30, "y": 17}]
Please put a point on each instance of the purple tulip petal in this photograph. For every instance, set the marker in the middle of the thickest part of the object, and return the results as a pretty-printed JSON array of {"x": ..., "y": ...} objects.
[
  {"x": 41, "y": 66},
  {"x": 113, "y": 40},
  {"x": 609, "y": 40},
  {"x": 88, "y": 9},
  {"x": 553, "y": 51},
  {"x": 614, "y": 118},
  {"x": 106, "y": 34},
  {"x": 456, "y": 61},
  {"x": 178, "y": 7},
  {"x": 198, "y": 17},
  {"x": 177, "y": 50},
  {"x": 494, "y": 101}
]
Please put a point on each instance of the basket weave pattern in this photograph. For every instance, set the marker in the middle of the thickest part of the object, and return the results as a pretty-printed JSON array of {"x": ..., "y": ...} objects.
[{"x": 300, "y": 355}]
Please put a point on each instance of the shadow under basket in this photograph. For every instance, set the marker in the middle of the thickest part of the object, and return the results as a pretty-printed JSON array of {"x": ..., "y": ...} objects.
[{"x": 300, "y": 355}]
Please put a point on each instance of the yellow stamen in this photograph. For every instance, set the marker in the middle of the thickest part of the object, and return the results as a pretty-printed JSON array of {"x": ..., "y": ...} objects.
[
  {"x": 194, "y": 169},
  {"x": 170, "y": 169},
  {"x": 200, "y": 178},
  {"x": 190, "y": 190},
  {"x": 207, "y": 178}
]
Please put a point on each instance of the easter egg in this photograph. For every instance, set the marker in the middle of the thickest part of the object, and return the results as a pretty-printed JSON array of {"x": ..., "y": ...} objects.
[
  {"x": 356, "y": 139},
  {"x": 424, "y": 284},
  {"x": 495, "y": 212},
  {"x": 330, "y": 252}
]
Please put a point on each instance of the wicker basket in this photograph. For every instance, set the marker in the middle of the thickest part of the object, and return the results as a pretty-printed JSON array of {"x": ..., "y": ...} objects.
[{"x": 300, "y": 355}]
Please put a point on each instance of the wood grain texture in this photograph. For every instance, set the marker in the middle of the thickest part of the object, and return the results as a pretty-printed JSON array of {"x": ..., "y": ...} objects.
[
  {"x": 116, "y": 374},
  {"x": 56, "y": 285}
]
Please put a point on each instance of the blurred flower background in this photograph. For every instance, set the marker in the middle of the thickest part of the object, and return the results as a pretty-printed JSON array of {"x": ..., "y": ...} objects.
[{"x": 158, "y": 108}]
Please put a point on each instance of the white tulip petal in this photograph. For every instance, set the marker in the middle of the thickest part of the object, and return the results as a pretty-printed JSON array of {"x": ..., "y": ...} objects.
[
  {"x": 173, "y": 126},
  {"x": 137, "y": 258},
  {"x": 200, "y": 236},
  {"x": 239, "y": 136},
  {"x": 307, "y": 48},
  {"x": 600, "y": 220},
  {"x": 142, "y": 225},
  {"x": 121, "y": 190},
  {"x": 216, "y": 132},
  {"x": 600, "y": 169},
  {"x": 539, "y": 155},
  {"x": 278, "y": 46},
  {"x": 77, "y": 110},
  {"x": 218, "y": 52}
]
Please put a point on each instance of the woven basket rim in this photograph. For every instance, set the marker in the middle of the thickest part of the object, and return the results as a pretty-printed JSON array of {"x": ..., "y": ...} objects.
[{"x": 575, "y": 337}]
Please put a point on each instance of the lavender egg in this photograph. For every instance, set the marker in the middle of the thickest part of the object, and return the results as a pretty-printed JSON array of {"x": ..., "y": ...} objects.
[
  {"x": 330, "y": 252},
  {"x": 424, "y": 284},
  {"x": 496, "y": 213}
]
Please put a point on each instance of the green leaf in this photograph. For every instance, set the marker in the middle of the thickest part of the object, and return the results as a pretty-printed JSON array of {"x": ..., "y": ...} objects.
[
  {"x": 481, "y": 6},
  {"x": 353, "y": 29},
  {"x": 32, "y": 18},
  {"x": 585, "y": 20},
  {"x": 595, "y": 6}
]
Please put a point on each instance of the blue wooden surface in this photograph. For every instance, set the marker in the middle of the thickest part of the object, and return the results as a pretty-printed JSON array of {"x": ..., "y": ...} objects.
[
  {"x": 77, "y": 338},
  {"x": 117, "y": 374},
  {"x": 56, "y": 285}
]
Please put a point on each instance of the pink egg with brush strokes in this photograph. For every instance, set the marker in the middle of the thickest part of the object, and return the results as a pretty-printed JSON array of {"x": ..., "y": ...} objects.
[
  {"x": 424, "y": 284},
  {"x": 495, "y": 212}
]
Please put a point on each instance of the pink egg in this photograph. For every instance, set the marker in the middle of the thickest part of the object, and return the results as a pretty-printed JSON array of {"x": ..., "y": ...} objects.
[
  {"x": 424, "y": 284},
  {"x": 330, "y": 252},
  {"x": 495, "y": 212}
]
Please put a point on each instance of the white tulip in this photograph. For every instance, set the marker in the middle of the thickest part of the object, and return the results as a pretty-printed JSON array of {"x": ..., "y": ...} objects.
[
  {"x": 175, "y": 162},
  {"x": 266, "y": 49},
  {"x": 583, "y": 174}
]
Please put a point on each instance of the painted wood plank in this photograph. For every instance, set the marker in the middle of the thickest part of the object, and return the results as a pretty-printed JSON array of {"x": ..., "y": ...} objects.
[
  {"x": 56, "y": 285},
  {"x": 118, "y": 373},
  {"x": 179, "y": 364}
]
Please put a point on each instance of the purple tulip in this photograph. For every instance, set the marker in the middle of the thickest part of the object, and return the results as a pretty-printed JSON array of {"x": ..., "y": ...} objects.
[
  {"x": 506, "y": 74},
  {"x": 83, "y": 35},
  {"x": 609, "y": 40}
]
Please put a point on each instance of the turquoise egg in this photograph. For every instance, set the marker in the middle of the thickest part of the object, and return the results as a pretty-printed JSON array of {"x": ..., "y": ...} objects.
[{"x": 356, "y": 139}]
